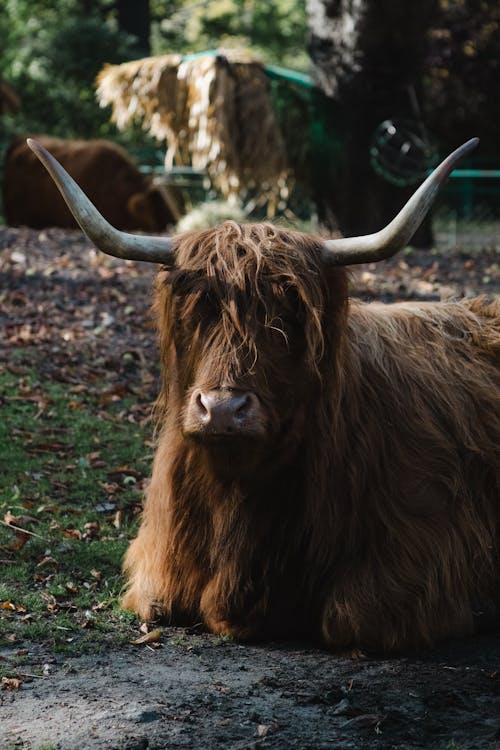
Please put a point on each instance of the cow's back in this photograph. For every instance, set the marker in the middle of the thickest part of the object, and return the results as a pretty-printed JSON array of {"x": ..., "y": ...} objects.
[
  {"x": 425, "y": 379},
  {"x": 103, "y": 170}
]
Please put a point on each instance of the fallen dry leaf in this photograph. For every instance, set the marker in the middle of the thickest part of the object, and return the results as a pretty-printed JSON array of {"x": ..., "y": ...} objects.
[
  {"x": 21, "y": 538},
  {"x": 151, "y": 637},
  {"x": 11, "y": 520},
  {"x": 48, "y": 560},
  {"x": 22, "y": 534},
  {"x": 264, "y": 729},
  {"x": 11, "y": 607},
  {"x": 92, "y": 529},
  {"x": 72, "y": 533},
  {"x": 11, "y": 683},
  {"x": 102, "y": 605}
]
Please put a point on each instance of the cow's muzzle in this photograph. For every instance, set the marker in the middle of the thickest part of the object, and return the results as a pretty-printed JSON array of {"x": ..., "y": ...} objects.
[{"x": 223, "y": 413}]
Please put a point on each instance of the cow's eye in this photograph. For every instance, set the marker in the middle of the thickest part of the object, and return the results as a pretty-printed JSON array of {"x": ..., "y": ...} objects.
[
  {"x": 183, "y": 282},
  {"x": 285, "y": 330},
  {"x": 294, "y": 305},
  {"x": 207, "y": 307},
  {"x": 286, "y": 323}
]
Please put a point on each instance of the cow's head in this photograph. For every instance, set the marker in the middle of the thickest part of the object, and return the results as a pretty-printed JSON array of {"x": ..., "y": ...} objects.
[
  {"x": 244, "y": 337},
  {"x": 153, "y": 208},
  {"x": 250, "y": 315}
]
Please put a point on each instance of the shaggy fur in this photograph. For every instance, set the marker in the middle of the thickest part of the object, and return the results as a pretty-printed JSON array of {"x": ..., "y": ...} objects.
[
  {"x": 369, "y": 513},
  {"x": 124, "y": 196}
]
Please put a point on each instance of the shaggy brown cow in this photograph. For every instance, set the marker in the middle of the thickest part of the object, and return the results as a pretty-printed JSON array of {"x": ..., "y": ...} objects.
[
  {"x": 10, "y": 103},
  {"x": 325, "y": 467},
  {"x": 123, "y": 195}
]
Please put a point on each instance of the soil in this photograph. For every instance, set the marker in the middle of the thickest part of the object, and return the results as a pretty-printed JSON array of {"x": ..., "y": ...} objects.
[{"x": 195, "y": 690}]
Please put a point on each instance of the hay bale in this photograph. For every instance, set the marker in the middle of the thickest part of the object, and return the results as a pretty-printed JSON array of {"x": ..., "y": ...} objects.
[{"x": 214, "y": 111}]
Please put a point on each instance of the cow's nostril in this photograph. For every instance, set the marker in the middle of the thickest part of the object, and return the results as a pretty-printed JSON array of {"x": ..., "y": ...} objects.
[
  {"x": 222, "y": 410},
  {"x": 202, "y": 404},
  {"x": 242, "y": 406}
]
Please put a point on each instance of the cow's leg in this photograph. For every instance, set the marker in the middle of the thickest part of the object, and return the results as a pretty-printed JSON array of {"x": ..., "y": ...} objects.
[
  {"x": 384, "y": 612},
  {"x": 162, "y": 583},
  {"x": 164, "y": 565},
  {"x": 148, "y": 590},
  {"x": 234, "y": 612}
]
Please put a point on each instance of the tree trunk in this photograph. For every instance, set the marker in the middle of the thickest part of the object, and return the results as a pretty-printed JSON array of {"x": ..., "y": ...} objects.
[
  {"x": 368, "y": 58},
  {"x": 135, "y": 19},
  {"x": 463, "y": 71}
]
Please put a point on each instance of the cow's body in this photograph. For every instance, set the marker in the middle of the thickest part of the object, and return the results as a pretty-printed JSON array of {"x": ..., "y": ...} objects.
[
  {"x": 369, "y": 514},
  {"x": 10, "y": 102},
  {"x": 325, "y": 467},
  {"x": 125, "y": 197}
]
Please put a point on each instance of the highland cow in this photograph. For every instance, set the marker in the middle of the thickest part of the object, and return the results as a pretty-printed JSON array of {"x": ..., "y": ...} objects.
[
  {"x": 127, "y": 198},
  {"x": 325, "y": 468}
]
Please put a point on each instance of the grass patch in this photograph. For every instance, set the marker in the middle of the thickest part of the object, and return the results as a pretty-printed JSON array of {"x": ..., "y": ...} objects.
[{"x": 74, "y": 460}]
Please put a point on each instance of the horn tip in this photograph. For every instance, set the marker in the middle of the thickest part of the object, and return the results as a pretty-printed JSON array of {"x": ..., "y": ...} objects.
[
  {"x": 41, "y": 153},
  {"x": 36, "y": 147},
  {"x": 470, "y": 144}
]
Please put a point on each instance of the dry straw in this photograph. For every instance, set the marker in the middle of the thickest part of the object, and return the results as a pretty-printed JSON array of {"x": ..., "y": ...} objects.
[{"x": 213, "y": 110}]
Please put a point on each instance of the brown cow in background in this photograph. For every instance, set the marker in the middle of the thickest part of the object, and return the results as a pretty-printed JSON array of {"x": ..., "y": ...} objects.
[
  {"x": 124, "y": 196},
  {"x": 325, "y": 468},
  {"x": 10, "y": 102}
]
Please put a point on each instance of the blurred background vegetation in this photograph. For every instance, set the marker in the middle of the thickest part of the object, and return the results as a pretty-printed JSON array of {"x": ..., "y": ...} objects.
[
  {"x": 433, "y": 67},
  {"x": 52, "y": 52}
]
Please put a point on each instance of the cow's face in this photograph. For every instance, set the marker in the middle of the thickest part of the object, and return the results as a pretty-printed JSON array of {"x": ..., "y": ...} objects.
[
  {"x": 243, "y": 336},
  {"x": 148, "y": 210}
]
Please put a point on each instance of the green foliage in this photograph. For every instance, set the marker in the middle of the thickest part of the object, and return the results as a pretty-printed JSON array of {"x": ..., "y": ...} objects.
[
  {"x": 53, "y": 51},
  {"x": 275, "y": 29},
  {"x": 52, "y": 55}
]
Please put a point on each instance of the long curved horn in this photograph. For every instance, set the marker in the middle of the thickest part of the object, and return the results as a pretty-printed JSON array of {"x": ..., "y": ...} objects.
[
  {"x": 395, "y": 236},
  {"x": 103, "y": 235}
]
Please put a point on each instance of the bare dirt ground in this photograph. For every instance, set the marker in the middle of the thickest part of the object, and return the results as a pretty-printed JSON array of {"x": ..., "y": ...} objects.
[{"x": 196, "y": 690}]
